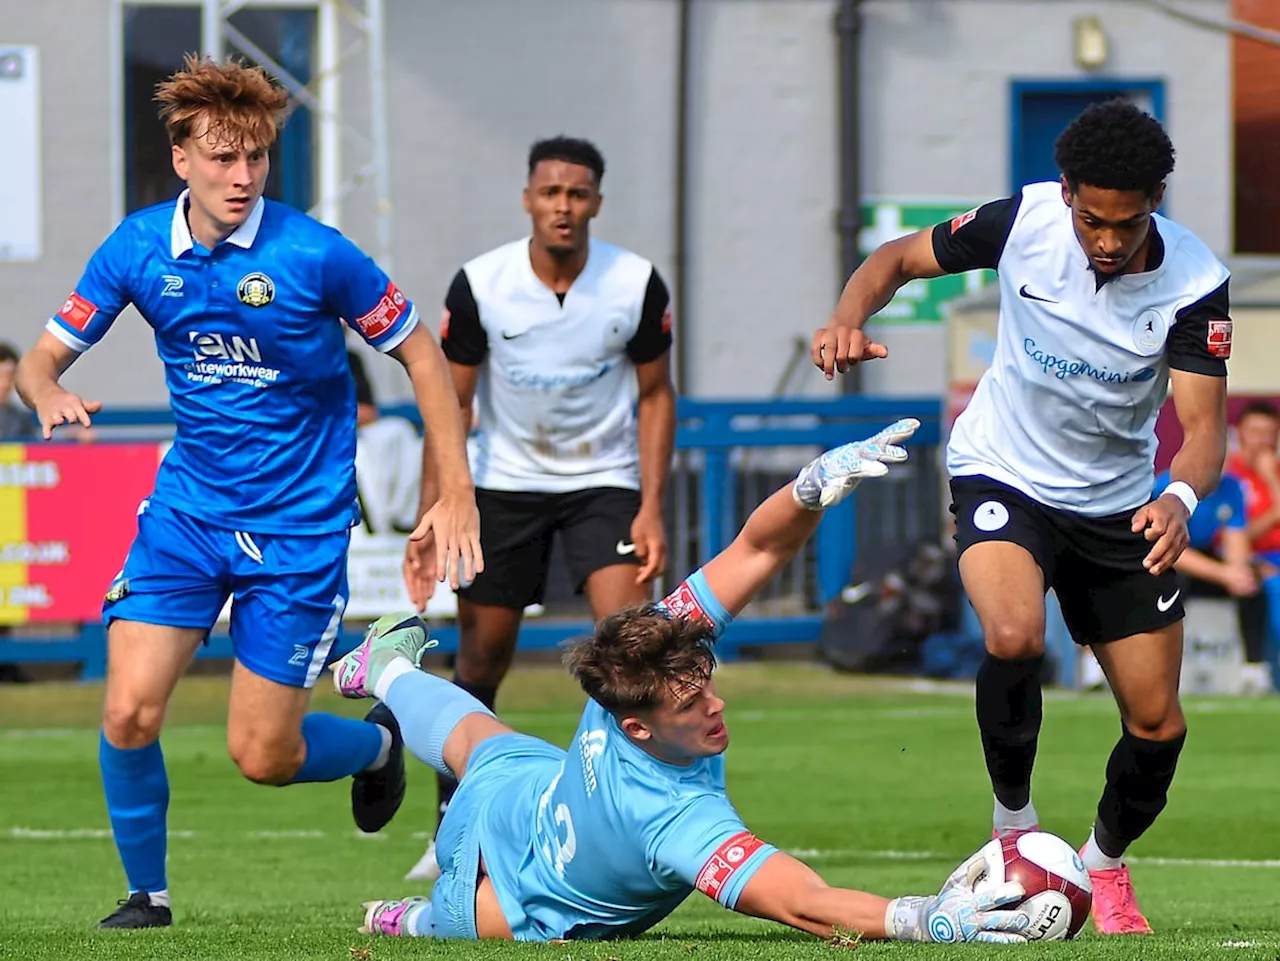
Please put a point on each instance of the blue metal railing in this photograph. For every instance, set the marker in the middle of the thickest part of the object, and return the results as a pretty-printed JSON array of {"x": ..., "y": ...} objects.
[{"x": 714, "y": 442}]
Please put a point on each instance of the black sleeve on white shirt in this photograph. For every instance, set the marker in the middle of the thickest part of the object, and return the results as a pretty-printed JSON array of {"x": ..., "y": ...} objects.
[
  {"x": 1200, "y": 340},
  {"x": 975, "y": 239},
  {"x": 462, "y": 335},
  {"x": 653, "y": 337}
]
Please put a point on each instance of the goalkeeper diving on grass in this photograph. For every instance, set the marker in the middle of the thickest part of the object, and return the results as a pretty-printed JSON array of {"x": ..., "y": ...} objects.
[{"x": 606, "y": 838}]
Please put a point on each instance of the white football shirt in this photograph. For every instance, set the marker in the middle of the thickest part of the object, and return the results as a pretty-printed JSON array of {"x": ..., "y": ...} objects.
[
  {"x": 1067, "y": 411},
  {"x": 557, "y": 387}
]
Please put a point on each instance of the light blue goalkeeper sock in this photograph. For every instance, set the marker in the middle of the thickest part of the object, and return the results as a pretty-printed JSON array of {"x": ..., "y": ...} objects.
[{"x": 427, "y": 708}]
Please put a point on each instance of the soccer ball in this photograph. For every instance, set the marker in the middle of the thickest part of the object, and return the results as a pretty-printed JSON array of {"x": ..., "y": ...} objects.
[{"x": 1058, "y": 893}]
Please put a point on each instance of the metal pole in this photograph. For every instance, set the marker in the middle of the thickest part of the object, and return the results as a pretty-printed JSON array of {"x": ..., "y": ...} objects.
[
  {"x": 330, "y": 133},
  {"x": 378, "y": 126},
  {"x": 684, "y": 332},
  {"x": 849, "y": 31},
  {"x": 211, "y": 28}
]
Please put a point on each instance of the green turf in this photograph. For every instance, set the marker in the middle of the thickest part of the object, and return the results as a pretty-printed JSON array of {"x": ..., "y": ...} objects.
[{"x": 841, "y": 769}]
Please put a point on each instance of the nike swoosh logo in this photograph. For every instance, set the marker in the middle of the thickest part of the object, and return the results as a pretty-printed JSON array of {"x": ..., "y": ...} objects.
[
  {"x": 622, "y": 547},
  {"x": 506, "y": 336},
  {"x": 1030, "y": 296},
  {"x": 1162, "y": 605}
]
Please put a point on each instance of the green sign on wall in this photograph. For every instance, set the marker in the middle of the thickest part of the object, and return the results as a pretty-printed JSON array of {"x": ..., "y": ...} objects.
[{"x": 919, "y": 302}]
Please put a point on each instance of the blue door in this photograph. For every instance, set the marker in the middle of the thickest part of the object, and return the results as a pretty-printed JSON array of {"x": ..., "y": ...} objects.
[{"x": 1042, "y": 110}]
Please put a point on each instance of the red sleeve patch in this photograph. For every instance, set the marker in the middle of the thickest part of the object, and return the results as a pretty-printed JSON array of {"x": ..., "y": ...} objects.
[
  {"x": 444, "y": 323},
  {"x": 683, "y": 603},
  {"x": 78, "y": 312},
  {"x": 964, "y": 218},
  {"x": 720, "y": 867},
  {"x": 383, "y": 316},
  {"x": 1220, "y": 338}
]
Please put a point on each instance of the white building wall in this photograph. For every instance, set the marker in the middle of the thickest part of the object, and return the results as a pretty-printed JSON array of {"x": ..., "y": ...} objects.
[{"x": 471, "y": 85}]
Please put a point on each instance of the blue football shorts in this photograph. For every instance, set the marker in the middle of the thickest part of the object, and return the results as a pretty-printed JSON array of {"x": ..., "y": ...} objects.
[{"x": 288, "y": 591}]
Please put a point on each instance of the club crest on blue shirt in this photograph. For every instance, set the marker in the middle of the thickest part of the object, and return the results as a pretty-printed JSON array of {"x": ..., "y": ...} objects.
[{"x": 256, "y": 290}]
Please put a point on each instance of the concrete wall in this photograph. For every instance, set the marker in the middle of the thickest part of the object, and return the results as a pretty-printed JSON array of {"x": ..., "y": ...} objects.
[
  {"x": 470, "y": 85},
  {"x": 79, "y": 163},
  {"x": 936, "y": 113}
]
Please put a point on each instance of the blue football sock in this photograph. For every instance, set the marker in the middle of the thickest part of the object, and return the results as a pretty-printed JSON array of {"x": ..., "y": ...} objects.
[
  {"x": 428, "y": 708},
  {"x": 337, "y": 747},
  {"x": 137, "y": 791}
]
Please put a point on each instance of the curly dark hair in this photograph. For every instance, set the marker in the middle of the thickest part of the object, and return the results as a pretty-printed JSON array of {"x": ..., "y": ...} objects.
[
  {"x": 571, "y": 150},
  {"x": 1116, "y": 146},
  {"x": 637, "y": 654}
]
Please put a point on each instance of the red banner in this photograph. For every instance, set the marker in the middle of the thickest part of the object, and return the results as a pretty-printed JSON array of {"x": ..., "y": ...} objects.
[{"x": 68, "y": 513}]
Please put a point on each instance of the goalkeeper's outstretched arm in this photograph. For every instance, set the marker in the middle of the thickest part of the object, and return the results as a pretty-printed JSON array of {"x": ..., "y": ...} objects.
[
  {"x": 790, "y": 892},
  {"x": 778, "y": 528}
]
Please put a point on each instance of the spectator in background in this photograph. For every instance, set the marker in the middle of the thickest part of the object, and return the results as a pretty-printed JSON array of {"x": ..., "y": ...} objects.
[
  {"x": 15, "y": 425},
  {"x": 388, "y": 462},
  {"x": 1218, "y": 558},
  {"x": 16, "y": 422},
  {"x": 1254, "y": 464}
]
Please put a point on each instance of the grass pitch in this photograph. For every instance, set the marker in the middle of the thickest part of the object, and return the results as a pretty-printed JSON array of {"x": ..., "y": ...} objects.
[{"x": 877, "y": 785}]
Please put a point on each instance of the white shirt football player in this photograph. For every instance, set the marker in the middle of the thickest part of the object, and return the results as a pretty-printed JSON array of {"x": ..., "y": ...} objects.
[{"x": 1105, "y": 306}]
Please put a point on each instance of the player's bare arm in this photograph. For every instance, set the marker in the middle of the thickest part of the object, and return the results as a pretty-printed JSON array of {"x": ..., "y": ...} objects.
[
  {"x": 420, "y": 568},
  {"x": 656, "y": 427},
  {"x": 37, "y": 384},
  {"x": 453, "y": 518},
  {"x": 1201, "y": 404},
  {"x": 842, "y": 343},
  {"x": 790, "y": 892}
]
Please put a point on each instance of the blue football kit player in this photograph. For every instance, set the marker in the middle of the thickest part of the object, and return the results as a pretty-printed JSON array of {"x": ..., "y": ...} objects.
[
  {"x": 1218, "y": 552},
  {"x": 255, "y": 499},
  {"x": 605, "y": 839}
]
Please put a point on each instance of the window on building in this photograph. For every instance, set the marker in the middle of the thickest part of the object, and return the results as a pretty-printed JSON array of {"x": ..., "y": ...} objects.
[{"x": 156, "y": 38}]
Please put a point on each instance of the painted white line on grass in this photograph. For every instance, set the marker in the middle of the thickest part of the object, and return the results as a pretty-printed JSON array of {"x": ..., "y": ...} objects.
[
  {"x": 75, "y": 834},
  {"x": 94, "y": 834},
  {"x": 868, "y": 855},
  {"x": 284, "y": 835},
  {"x": 819, "y": 853}
]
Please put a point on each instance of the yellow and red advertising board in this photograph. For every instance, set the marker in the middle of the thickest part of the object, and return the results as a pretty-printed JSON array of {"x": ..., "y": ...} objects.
[{"x": 68, "y": 513}]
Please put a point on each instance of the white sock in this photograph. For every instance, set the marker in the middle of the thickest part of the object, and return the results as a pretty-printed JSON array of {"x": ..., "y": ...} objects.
[
  {"x": 1024, "y": 819},
  {"x": 384, "y": 753},
  {"x": 159, "y": 899},
  {"x": 398, "y": 667},
  {"x": 1095, "y": 859}
]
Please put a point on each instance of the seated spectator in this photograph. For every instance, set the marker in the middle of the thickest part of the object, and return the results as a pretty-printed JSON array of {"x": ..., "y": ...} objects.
[
  {"x": 1218, "y": 559},
  {"x": 16, "y": 422},
  {"x": 1254, "y": 464},
  {"x": 388, "y": 462}
]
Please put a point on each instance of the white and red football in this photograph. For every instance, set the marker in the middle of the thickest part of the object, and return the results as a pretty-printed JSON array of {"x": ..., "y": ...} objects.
[{"x": 1058, "y": 893}]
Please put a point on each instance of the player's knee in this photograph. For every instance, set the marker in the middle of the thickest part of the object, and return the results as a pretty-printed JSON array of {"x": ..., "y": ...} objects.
[
  {"x": 1156, "y": 722},
  {"x": 1015, "y": 640},
  {"x": 266, "y": 764},
  {"x": 483, "y": 665},
  {"x": 130, "y": 723}
]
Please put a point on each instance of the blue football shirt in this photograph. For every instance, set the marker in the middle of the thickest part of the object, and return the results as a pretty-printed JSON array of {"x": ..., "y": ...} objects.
[
  {"x": 1221, "y": 510},
  {"x": 609, "y": 844},
  {"x": 254, "y": 357}
]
